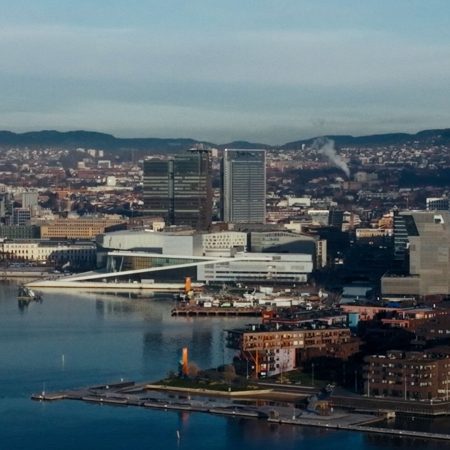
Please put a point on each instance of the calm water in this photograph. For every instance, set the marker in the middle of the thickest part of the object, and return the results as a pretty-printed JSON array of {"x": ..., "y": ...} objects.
[{"x": 74, "y": 339}]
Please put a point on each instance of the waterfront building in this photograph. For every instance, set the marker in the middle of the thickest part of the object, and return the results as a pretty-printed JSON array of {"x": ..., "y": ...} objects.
[
  {"x": 273, "y": 351},
  {"x": 79, "y": 255},
  {"x": 259, "y": 267},
  {"x": 180, "y": 189},
  {"x": 244, "y": 186},
  {"x": 183, "y": 242},
  {"x": 409, "y": 375}
]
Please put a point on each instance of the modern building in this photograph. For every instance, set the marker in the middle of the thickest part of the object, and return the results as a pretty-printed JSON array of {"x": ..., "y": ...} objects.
[
  {"x": 183, "y": 243},
  {"x": 224, "y": 243},
  {"x": 279, "y": 241},
  {"x": 244, "y": 186},
  {"x": 180, "y": 189},
  {"x": 423, "y": 238},
  {"x": 272, "y": 351},
  {"x": 259, "y": 268},
  {"x": 404, "y": 226}
]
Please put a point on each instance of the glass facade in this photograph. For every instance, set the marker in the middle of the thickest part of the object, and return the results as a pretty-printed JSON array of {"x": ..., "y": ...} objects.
[
  {"x": 244, "y": 186},
  {"x": 180, "y": 189}
]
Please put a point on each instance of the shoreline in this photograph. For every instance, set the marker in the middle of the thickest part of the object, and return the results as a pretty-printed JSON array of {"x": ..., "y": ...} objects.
[{"x": 153, "y": 396}]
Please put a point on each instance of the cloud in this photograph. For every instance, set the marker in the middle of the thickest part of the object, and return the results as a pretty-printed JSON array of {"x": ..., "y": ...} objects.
[
  {"x": 323, "y": 58},
  {"x": 263, "y": 85}
]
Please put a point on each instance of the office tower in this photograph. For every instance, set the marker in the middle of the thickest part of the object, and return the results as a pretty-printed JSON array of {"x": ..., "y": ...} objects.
[
  {"x": 179, "y": 189},
  {"x": 424, "y": 237},
  {"x": 244, "y": 186}
]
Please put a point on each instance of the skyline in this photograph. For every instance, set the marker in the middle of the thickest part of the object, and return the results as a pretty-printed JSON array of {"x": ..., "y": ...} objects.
[{"x": 214, "y": 72}]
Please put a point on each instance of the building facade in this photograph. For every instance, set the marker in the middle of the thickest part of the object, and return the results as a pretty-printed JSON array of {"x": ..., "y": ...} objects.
[
  {"x": 423, "y": 241},
  {"x": 259, "y": 267},
  {"x": 271, "y": 352},
  {"x": 244, "y": 186},
  {"x": 79, "y": 256},
  {"x": 180, "y": 189},
  {"x": 79, "y": 228},
  {"x": 408, "y": 375},
  {"x": 224, "y": 243}
]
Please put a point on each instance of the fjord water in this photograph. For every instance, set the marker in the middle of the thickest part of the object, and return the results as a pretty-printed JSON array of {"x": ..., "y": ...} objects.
[{"x": 74, "y": 339}]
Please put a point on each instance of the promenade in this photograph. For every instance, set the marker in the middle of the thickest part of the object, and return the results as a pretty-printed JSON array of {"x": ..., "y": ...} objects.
[{"x": 248, "y": 404}]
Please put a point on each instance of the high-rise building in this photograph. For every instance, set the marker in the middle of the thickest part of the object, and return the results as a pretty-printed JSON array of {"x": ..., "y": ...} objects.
[
  {"x": 423, "y": 238},
  {"x": 180, "y": 189},
  {"x": 244, "y": 186}
]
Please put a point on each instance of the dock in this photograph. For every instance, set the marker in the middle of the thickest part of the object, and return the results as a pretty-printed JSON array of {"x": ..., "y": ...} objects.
[
  {"x": 196, "y": 311},
  {"x": 132, "y": 394}
]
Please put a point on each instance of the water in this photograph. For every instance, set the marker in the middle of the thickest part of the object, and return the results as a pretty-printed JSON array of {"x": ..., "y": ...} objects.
[{"x": 74, "y": 339}]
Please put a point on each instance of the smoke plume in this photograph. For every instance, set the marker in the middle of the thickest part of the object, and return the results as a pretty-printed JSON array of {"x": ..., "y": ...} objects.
[{"x": 325, "y": 146}]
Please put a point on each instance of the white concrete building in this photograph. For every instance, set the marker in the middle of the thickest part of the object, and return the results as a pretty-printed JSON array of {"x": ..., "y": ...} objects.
[
  {"x": 222, "y": 244},
  {"x": 185, "y": 243},
  {"x": 257, "y": 267}
]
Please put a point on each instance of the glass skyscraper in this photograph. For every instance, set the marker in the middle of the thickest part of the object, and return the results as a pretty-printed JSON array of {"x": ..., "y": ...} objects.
[
  {"x": 244, "y": 186},
  {"x": 179, "y": 189}
]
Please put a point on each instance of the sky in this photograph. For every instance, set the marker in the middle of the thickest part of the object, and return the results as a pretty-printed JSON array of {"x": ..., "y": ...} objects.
[{"x": 264, "y": 70}]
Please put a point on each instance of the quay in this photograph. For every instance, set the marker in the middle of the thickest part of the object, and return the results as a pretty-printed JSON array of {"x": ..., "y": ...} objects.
[
  {"x": 7, "y": 274},
  {"x": 103, "y": 286},
  {"x": 195, "y": 310},
  {"x": 239, "y": 404}
]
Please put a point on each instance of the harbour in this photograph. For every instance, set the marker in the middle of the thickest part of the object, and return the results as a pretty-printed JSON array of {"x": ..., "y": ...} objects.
[
  {"x": 84, "y": 327},
  {"x": 147, "y": 395}
]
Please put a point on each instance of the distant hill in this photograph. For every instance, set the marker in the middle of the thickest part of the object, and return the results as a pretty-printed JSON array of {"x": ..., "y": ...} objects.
[
  {"x": 91, "y": 139},
  {"x": 426, "y": 137}
]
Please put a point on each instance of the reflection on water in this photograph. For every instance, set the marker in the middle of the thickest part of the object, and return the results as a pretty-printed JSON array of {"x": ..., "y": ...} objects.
[{"x": 78, "y": 339}]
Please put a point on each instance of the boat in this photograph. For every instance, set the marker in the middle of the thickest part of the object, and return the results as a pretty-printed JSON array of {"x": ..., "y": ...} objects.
[{"x": 25, "y": 294}]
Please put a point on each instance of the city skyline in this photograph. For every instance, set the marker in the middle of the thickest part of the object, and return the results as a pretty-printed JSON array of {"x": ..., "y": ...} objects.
[{"x": 271, "y": 73}]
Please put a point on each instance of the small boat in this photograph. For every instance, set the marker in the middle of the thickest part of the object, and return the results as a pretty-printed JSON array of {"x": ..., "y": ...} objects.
[{"x": 26, "y": 294}]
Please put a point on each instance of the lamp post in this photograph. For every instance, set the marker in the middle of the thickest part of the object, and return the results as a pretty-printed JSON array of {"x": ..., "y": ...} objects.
[{"x": 312, "y": 374}]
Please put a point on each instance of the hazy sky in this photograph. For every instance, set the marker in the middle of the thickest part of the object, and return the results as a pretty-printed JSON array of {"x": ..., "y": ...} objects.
[{"x": 271, "y": 71}]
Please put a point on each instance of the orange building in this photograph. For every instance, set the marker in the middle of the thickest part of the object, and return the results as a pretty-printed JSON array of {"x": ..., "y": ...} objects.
[{"x": 80, "y": 228}]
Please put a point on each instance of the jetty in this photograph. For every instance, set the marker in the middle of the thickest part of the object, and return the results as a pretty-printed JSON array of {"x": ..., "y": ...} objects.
[
  {"x": 196, "y": 310},
  {"x": 248, "y": 404}
]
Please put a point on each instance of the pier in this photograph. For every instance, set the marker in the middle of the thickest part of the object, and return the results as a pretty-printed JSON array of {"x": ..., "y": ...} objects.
[
  {"x": 195, "y": 311},
  {"x": 235, "y": 404}
]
